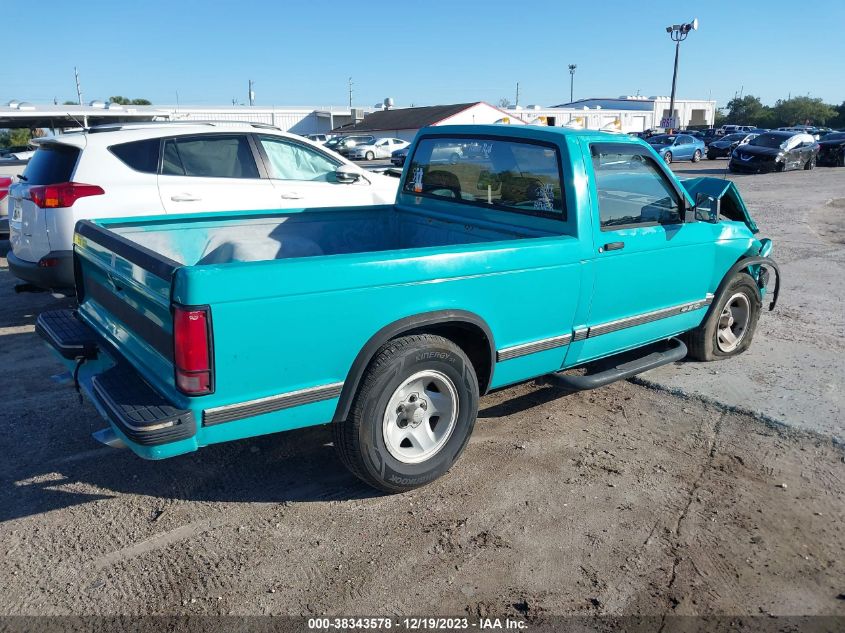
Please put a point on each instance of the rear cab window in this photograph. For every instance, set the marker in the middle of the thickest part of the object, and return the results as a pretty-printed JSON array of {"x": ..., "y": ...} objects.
[
  {"x": 520, "y": 176},
  {"x": 52, "y": 163},
  {"x": 632, "y": 189}
]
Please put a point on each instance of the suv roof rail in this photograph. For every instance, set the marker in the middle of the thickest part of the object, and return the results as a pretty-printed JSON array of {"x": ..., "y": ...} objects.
[{"x": 139, "y": 125}]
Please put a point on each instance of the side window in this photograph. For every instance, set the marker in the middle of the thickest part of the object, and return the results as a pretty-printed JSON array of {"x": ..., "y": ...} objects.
[
  {"x": 209, "y": 156},
  {"x": 632, "y": 189},
  {"x": 139, "y": 155},
  {"x": 291, "y": 161},
  {"x": 510, "y": 175}
]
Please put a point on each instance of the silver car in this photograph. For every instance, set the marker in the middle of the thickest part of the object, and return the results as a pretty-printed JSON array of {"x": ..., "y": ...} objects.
[{"x": 380, "y": 148}]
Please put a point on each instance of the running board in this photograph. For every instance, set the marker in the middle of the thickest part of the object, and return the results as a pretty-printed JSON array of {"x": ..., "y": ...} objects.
[{"x": 623, "y": 366}]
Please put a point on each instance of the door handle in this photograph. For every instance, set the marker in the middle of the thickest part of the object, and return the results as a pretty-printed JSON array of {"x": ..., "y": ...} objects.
[
  {"x": 613, "y": 246},
  {"x": 293, "y": 195},
  {"x": 185, "y": 197}
]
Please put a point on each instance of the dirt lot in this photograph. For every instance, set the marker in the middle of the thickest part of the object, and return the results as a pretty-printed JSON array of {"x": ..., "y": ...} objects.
[{"x": 627, "y": 500}]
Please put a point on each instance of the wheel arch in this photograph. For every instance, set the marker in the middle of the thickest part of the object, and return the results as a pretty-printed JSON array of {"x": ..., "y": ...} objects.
[
  {"x": 747, "y": 262},
  {"x": 467, "y": 330}
]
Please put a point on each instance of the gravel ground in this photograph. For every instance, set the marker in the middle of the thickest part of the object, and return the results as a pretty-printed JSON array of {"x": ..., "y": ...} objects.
[{"x": 634, "y": 499}]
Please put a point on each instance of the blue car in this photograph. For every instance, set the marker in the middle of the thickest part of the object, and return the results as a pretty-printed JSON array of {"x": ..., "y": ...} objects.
[{"x": 673, "y": 147}]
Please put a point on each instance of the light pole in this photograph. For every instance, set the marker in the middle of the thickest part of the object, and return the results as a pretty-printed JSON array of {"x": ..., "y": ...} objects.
[
  {"x": 572, "y": 68},
  {"x": 678, "y": 33}
]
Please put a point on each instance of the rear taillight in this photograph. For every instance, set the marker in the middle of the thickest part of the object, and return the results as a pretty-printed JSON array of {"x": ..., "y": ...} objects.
[
  {"x": 192, "y": 353},
  {"x": 5, "y": 183},
  {"x": 63, "y": 194}
]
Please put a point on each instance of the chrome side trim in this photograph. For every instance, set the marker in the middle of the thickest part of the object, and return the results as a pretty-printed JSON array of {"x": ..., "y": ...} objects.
[
  {"x": 580, "y": 334},
  {"x": 648, "y": 317},
  {"x": 530, "y": 348},
  {"x": 250, "y": 408}
]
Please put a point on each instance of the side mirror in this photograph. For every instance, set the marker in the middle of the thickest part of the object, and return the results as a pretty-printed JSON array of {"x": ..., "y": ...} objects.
[
  {"x": 706, "y": 209},
  {"x": 347, "y": 174}
]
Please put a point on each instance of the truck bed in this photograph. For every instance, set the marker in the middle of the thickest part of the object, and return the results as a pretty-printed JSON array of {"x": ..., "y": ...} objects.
[{"x": 206, "y": 240}]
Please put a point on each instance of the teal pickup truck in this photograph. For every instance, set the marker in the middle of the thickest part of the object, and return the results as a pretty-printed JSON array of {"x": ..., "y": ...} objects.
[{"x": 539, "y": 251}]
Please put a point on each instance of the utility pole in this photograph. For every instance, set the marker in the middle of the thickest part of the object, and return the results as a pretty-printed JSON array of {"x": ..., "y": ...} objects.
[
  {"x": 678, "y": 33},
  {"x": 516, "y": 104},
  {"x": 78, "y": 87},
  {"x": 251, "y": 93},
  {"x": 572, "y": 68},
  {"x": 350, "y": 93}
]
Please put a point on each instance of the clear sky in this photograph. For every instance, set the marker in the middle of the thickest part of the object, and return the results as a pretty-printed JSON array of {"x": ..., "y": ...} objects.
[{"x": 425, "y": 52}]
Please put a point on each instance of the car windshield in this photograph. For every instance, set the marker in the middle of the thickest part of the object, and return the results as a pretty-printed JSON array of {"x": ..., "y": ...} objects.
[
  {"x": 835, "y": 136},
  {"x": 663, "y": 139},
  {"x": 734, "y": 137},
  {"x": 772, "y": 141}
]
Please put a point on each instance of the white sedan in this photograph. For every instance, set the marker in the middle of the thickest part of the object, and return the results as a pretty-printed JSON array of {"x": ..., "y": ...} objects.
[{"x": 380, "y": 148}]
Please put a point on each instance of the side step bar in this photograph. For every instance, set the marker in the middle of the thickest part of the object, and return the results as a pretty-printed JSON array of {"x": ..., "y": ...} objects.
[
  {"x": 623, "y": 366},
  {"x": 69, "y": 336}
]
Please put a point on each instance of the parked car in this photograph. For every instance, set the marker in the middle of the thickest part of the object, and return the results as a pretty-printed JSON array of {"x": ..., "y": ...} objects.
[
  {"x": 733, "y": 129},
  {"x": 380, "y": 148},
  {"x": 672, "y": 147},
  {"x": 142, "y": 169},
  {"x": 13, "y": 150},
  {"x": 832, "y": 149},
  {"x": 398, "y": 156},
  {"x": 344, "y": 144},
  {"x": 723, "y": 147},
  {"x": 776, "y": 151},
  {"x": 318, "y": 138},
  {"x": 217, "y": 327}
]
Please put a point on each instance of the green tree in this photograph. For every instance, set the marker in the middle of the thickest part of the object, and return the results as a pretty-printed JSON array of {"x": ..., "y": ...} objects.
[
  {"x": 803, "y": 111},
  {"x": 20, "y": 136},
  {"x": 747, "y": 110},
  {"x": 719, "y": 118},
  {"x": 125, "y": 101}
]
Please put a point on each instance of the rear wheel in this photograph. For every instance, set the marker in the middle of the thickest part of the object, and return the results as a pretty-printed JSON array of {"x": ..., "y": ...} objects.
[
  {"x": 667, "y": 158},
  {"x": 730, "y": 324},
  {"x": 412, "y": 416},
  {"x": 696, "y": 156}
]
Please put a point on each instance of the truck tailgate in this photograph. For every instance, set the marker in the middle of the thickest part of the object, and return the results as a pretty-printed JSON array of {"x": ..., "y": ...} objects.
[{"x": 124, "y": 293}]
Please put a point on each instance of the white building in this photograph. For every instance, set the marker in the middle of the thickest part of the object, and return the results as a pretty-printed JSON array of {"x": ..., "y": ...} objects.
[
  {"x": 404, "y": 123},
  {"x": 627, "y": 114}
]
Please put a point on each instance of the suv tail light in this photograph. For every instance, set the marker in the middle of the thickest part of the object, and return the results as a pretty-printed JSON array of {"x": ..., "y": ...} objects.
[
  {"x": 63, "y": 194},
  {"x": 5, "y": 183},
  {"x": 192, "y": 351}
]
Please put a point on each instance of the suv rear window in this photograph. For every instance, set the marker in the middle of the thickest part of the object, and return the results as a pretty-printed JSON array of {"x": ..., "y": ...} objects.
[
  {"x": 519, "y": 176},
  {"x": 139, "y": 155},
  {"x": 51, "y": 164}
]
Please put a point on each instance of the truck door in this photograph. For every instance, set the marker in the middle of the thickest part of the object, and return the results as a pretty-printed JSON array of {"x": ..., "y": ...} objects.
[{"x": 652, "y": 270}]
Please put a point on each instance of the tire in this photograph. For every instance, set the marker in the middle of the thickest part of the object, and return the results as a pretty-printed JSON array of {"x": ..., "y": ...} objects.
[
  {"x": 696, "y": 156},
  {"x": 781, "y": 166},
  {"x": 810, "y": 164},
  {"x": 369, "y": 156},
  {"x": 393, "y": 410},
  {"x": 710, "y": 341},
  {"x": 841, "y": 161},
  {"x": 711, "y": 156},
  {"x": 667, "y": 158}
]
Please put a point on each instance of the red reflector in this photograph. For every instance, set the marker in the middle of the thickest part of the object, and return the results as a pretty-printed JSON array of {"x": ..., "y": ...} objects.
[
  {"x": 191, "y": 350},
  {"x": 63, "y": 194},
  {"x": 5, "y": 183}
]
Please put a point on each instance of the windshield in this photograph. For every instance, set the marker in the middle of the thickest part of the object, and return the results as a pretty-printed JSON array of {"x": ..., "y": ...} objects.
[
  {"x": 734, "y": 137},
  {"x": 663, "y": 139},
  {"x": 772, "y": 141},
  {"x": 835, "y": 136}
]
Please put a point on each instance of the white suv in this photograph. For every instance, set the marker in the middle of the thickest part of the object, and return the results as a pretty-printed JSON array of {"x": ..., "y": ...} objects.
[{"x": 185, "y": 167}]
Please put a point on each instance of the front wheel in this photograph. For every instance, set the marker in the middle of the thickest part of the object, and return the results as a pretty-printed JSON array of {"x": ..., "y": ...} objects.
[
  {"x": 711, "y": 156},
  {"x": 369, "y": 156},
  {"x": 810, "y": 164},
  {"x": 697, "y": 156},
  {"x": 667, "y": 158},
  {"x": 412, "y": 416},
  {"x": 730, "y": 324}
]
